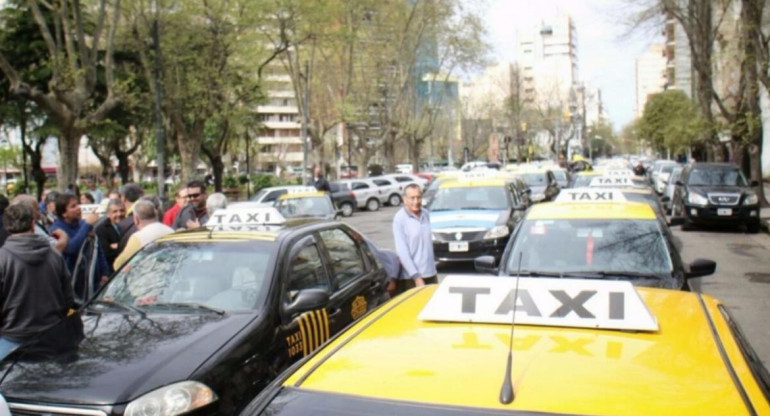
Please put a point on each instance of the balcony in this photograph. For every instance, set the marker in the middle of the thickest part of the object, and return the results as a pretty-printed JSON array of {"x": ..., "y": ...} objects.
[
  {"x": 279, "y": 140},
  {"x": 277, "y": 109},
  {"x": 278, "y": 125}
]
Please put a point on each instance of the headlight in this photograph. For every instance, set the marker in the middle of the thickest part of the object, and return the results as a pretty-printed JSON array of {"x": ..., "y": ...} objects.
[
  {"x": 751, "y": 199},
  {"x": 697, "y": 199},
  {"x": 537, "y": 197},
  {"x": 171, "y": 400},
  {"x": 497, "y": 232}
]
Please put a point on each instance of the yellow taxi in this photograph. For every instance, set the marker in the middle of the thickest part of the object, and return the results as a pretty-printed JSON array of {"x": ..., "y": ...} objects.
[
  {"x": 577, "y": 348},
  {"x": 595, "y": 233}
]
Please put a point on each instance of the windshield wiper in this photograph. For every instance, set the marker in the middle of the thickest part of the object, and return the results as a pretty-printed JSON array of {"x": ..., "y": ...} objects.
[
  {"x": 120, "y": 305},
  {"x": 588, "y": 274},
  {"x": 190, "y": 305}
]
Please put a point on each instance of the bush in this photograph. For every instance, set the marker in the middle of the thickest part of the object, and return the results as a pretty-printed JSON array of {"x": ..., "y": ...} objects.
[{"x": 229, "y": 181}]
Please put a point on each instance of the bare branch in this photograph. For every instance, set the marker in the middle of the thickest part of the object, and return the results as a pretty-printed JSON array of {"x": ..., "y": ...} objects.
[
  {"x": 46, "y": 33},
  {"x": 109, "y": 65}
]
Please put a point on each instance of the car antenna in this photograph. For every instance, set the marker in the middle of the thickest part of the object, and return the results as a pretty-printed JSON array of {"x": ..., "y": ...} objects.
[{"x": 506, "y": 391}]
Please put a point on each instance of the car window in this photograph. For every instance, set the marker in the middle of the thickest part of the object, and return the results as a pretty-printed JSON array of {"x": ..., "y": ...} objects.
[
  {"x": 227, "y": 276},
  {"x": 359, "y": 185},
  {"x": 403, "y": 179},
  {"x": 272, "y": 196},
  {"x": 306, "y": 271},
  {"x": 480, "y": 197},
  {"x": 381, "y": 182},
  {"x": 347, "y": 263},
  {"x": 315, "y": 206}
]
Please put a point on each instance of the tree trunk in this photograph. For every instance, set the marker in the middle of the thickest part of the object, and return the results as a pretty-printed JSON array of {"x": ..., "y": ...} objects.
[
  {"x": 38, "y": 175},
  {"x": 414, "y": 154},
  {"x": 218, "y": 168},
  {"x": 69, "y": 146},
  {"x": 123, "y": 166}
]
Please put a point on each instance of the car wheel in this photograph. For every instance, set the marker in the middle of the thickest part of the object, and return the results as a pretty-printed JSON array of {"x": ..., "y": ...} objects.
[
  {"x": 347, "y": 209},
  {"x": 687, "y": 224},
  {"x": 753, "y": 227},
  {"x": 373, "y": 204},
  {"x": 394, "y": 200}
]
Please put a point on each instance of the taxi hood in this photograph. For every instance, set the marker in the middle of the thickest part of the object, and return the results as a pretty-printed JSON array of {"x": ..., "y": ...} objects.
[
  {"x": 121, "y": 358},
  {"x": 483, "y": 218}
]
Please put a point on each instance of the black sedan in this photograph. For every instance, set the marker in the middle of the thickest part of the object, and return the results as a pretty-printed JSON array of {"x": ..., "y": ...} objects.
[
  {"x": 199, "y": 322},
  {"x": 715, "y": 193}
]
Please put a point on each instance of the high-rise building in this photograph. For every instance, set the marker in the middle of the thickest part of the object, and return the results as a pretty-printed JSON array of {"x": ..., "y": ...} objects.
[
  {"x": 280, "y": 144},
  {"x": 650, "y": 75},
  {"x": 678, "y": 59},
  {"x": 548, "y": 58}
]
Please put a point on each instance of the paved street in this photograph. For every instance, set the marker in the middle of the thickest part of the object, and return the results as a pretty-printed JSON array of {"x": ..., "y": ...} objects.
[{"x": 742, "y": 280}]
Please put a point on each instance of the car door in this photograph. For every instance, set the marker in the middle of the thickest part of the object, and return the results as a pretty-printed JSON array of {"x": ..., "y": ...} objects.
[
  {"x": 361, "y": 190},
  {"x": 358, "y": 282},
  {"x": 305, "y": 268}
]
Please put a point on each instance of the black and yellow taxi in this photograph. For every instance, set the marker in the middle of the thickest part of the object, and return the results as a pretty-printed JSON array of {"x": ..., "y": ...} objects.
[
  {"x": 577, "y": 347},
  {"x": 474, "y": 214},
  {"x": 595, "y": 233},
  {"x": 199, "y": 322}
]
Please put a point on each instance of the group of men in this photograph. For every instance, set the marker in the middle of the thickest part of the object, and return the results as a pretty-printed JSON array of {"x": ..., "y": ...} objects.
[{"x": 46, "y": 247}]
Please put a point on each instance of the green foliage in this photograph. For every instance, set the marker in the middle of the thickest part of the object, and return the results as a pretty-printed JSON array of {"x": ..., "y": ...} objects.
[
  {"x": 230, "y": 181},
  {"x": 671, "y": 121},
  {"x": 150, "y": 187},
  {"x": 265, "y": 180}
]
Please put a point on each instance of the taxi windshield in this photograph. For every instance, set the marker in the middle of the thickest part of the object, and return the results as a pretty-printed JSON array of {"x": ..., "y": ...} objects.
[
  {"x": 560, "y": 175},
  {"x": 592, "y": 245},
  {"x": 465, "y": 197},
  {"x": 221, "y": 275},
  {"x": 313, "y": 206},
  {"x": 716, "y": 177},
  {"x": 534, "y": 179},
  {"x": 581, "y": 181}
]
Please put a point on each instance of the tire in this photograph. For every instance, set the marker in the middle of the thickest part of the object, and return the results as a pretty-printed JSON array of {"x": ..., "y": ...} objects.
[
  {"x": 753, "y": 227},
  {"x": 394, "y": 200},
  {"x": 687, "y": 224},
  {"x": 373, "y": 204},
  {"x": 347, "y": 209}
]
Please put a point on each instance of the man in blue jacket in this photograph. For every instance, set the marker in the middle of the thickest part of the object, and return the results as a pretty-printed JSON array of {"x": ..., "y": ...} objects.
[{"x": 78, "y": 229}]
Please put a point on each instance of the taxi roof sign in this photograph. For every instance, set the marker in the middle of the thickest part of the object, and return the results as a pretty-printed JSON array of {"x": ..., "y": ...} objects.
[
  {"x": 574, "y": 303},
  {"x": 614, "y": 181},
  {"x": 590, "y": 195},
  {"x": 619, "y": 172},
  {"x": 478, "y": 175},
  {"x": 301, "y": 189},
  {"x": 243, "y": 216}
]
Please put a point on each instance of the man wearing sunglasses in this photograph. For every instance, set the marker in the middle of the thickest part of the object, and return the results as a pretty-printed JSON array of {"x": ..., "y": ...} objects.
[{"x": 194, "y": 214}]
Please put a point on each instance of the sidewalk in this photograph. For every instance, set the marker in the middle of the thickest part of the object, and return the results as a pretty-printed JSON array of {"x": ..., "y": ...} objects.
[{"x": 764, "y": 213}]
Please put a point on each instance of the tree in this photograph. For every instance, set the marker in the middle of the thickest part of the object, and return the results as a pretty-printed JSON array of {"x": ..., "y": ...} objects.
[
  {"x": 601, "y": 139},
  {"x": 79, "y": 50},
  {"x": 671, "y": 122}
]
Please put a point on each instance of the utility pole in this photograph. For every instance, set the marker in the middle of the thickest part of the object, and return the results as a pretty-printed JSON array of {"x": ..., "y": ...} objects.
[
  {"x": 160, "y": 140},
  {"x": 248, "y": 165},
  {"x": 305, "y": 122}
]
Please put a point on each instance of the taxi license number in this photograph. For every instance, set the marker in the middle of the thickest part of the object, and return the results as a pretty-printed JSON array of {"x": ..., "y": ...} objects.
[
  {"x": 458, "y": 246},
  {"x": 724, "y": 211}
]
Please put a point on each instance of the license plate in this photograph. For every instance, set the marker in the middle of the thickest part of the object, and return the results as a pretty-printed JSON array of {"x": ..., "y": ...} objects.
[
  {"x": 458, "y": 246},
  {"x": 724, "y": 211}
]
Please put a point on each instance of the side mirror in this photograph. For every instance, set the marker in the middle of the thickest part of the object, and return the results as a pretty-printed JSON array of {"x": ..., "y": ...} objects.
[
  {"x": 701, "y": 267},
  {"x": 485, "y": 264},
  {"x": 754, "y": 184},
  {"x": 307, "y": 300},
  {"x": 679, "y": 183}
]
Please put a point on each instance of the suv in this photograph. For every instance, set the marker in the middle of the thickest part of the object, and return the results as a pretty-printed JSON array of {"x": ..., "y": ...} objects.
[{"x": 715, "y": 193}]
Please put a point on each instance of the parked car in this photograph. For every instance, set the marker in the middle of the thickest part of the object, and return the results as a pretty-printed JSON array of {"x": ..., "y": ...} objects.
[
  {"x": 405, "y": 179},
  {"x": 199, "y": 322},
  {"x": 715, "y": 193},
  {"x": 369, "y": 196},
  {"x": 543, "y": 184},
  {"x": 668, "y": 192},
  {"x": 392, "y": 189},
  {"x": 344, "y": 199}
]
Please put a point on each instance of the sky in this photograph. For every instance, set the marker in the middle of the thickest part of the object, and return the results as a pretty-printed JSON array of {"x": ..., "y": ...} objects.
[{"x": 606, "y": 52}]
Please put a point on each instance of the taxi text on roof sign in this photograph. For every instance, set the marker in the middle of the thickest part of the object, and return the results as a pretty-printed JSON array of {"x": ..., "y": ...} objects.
[
  {"x": 245, "y": 216},
  {"x": 590, "y": 195},
  {"x": 619, "y": 173},
  {"x": 540, "y": 301},
  {"x": 301, "y": 189},
  {"x": 611, "y": 181}
]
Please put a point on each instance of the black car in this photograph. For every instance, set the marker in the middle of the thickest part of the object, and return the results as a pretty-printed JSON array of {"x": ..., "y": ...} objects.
[
  {"x": 543, "y": 184},
  {"x": 344, "y": 199},
  {"x": 200, "y": 321},
  {"x": 715, "y": 193}
]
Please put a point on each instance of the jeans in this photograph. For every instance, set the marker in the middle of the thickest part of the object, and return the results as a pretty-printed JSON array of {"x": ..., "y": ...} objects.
[{"x": 7, "y": 346}]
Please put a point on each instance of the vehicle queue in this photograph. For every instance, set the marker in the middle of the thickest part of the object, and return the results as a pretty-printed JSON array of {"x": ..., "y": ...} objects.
[{"x": 591, "y": 282}]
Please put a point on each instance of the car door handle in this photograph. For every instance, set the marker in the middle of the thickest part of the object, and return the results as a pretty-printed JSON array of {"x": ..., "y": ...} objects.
[{"x": 335, "y": 312}]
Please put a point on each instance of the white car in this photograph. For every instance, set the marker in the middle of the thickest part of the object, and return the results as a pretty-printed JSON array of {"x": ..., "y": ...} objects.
[
  {"x": 368, "y": 194},
  {"x": 270, "y": 194},
  {"x": 661, "y": 178},
  {"x": 668, "y": 192},
  {"x": 405, "y": 179},
  {"x": 391, "y": 187}
]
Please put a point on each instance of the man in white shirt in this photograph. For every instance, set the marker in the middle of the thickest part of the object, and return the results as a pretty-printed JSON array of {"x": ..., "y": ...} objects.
[{"x": 149, "y": 230}]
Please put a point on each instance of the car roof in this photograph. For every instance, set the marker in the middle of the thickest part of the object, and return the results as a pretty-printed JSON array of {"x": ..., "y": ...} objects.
[
  {"x": 393, "y": 355},
  {"x": 591, "y": 210},
  {"x": 269, "y": 233}
]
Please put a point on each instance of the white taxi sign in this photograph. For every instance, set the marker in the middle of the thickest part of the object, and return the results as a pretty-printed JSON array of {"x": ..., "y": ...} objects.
[
  {"x": 478, "y": 174},
  {"x": 614, "y": 181},
  {"x": 623, "y": 173},
  {"x": 246, "y": 216},
  {"x": 301, "y": 189},
  {"x": 576, "y": 303},
  {"x": 590, "y": 195},
  {"x": 89, "y": 208}
]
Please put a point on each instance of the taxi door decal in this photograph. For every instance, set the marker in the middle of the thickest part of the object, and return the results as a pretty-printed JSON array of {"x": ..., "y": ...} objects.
[{"x": 313, "y": 331}]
